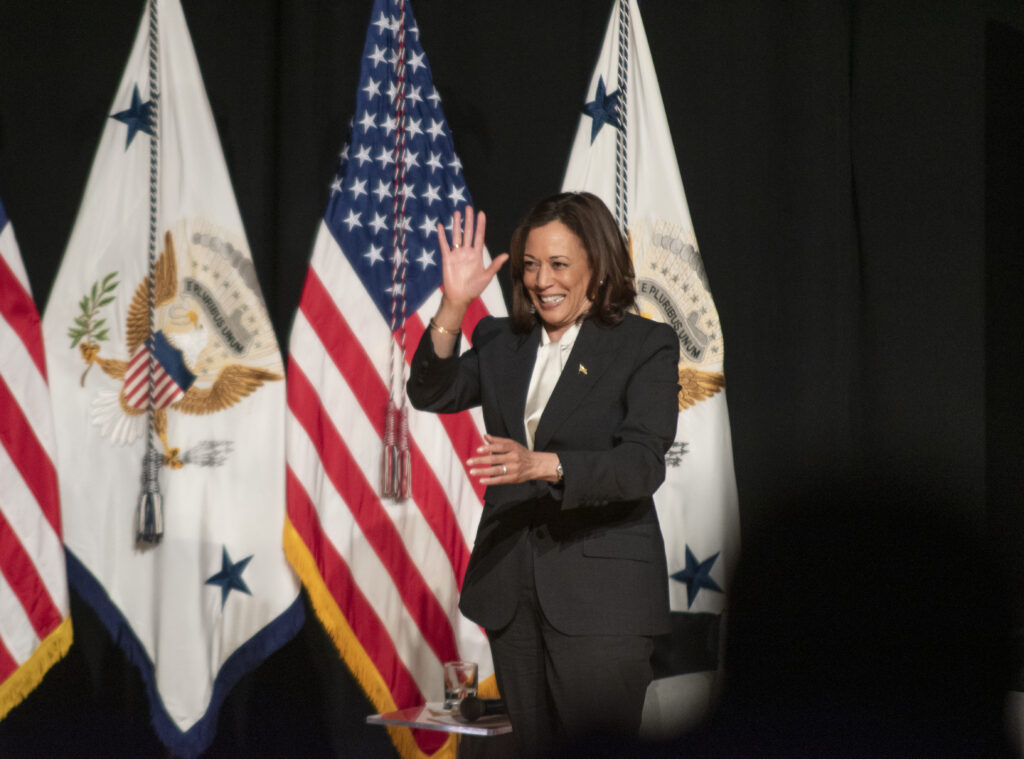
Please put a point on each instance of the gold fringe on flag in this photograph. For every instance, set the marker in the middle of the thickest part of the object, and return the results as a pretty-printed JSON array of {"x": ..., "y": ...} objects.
[
  {"x": 353, "y": 653},
  {"x": 24, "y": 680}
]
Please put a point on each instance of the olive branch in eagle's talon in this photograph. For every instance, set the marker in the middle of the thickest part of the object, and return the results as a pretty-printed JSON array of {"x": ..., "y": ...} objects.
[{"x": 88, "y": 330}]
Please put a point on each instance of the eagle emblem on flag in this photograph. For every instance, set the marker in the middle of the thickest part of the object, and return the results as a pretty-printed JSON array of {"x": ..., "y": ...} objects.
[
  {"x": 207, "y": 319},
  {"x": 672, "y": 287}
]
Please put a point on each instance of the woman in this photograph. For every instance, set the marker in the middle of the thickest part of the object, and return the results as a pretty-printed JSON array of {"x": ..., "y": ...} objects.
[{"x": 579, "y": 398}]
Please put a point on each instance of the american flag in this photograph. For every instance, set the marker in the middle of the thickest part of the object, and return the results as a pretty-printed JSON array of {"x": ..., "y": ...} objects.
[
  {"x": 35, "y": 629},
  {"x": 384, "y": 575}
]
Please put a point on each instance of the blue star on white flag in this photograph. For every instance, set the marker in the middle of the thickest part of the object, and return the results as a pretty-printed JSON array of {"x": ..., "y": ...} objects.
[
  {"x": 136, "y": 117},
  {"x": 230, "y": 576},
  {"x": 603, "y": 109}
]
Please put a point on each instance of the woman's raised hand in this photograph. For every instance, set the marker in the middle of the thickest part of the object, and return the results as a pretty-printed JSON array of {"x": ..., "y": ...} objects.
[{"x": 465, "y": 275}]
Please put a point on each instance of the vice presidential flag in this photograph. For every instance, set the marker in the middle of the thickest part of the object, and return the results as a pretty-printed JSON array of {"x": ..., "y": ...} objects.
[
  {"x": 384, "y": 571},
  {"x": 169, "y": 398},
  {"x": 623, "y": 153},
  {"x": 35, "y": 629}
]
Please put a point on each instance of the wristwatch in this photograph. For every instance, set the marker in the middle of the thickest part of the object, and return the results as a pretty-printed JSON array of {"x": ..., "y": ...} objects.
[{"x": 560, "y": 472}]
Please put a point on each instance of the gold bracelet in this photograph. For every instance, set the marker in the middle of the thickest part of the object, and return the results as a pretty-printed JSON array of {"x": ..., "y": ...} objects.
[{"x": 442, "y": 330}]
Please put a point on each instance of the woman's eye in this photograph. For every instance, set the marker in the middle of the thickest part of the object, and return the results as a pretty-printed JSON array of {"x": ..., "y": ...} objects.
[{"x": 530, "y": 265}]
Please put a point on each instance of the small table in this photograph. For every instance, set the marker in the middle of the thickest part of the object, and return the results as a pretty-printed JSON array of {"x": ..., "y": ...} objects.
[{"x": 433, "y": 716}]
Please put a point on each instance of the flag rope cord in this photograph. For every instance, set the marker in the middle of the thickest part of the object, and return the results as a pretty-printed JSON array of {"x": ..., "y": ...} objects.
[
  {"x": 395, "y": 467},
  {"x": 149, "y": 527},
  {"x": 397, "y": 227},
  {"x": 621, "y": 176}
]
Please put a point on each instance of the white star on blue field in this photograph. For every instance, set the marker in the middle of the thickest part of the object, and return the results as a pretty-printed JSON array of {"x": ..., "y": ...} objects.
[
  {"x": 136, "y": 117},
  {"x": 370, "y": 200},
  {"x": 230, "y": 576},
  {"x": 603, "y": 109},
  {"x": 696, "y": 576}
]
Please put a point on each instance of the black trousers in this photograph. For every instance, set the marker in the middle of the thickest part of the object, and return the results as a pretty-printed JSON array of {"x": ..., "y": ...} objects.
[{"x": 559, "y": 688}]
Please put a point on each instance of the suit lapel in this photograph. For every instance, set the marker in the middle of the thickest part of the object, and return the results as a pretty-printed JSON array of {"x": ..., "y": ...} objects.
[
  {"x": 591, "y": 355},
  {"x": 513, "y": 381}
]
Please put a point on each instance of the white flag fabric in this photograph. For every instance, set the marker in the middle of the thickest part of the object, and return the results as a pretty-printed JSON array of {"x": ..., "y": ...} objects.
[
  {"x": 35, "y": 629},
  {"x": 215, "y": 596},
  {"x": 383, "y": 574},
  {"x": 623, "y": 153}
]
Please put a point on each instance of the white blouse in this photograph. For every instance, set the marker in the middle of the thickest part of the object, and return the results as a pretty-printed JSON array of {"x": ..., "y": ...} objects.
[{"x": 551, "y": 358}]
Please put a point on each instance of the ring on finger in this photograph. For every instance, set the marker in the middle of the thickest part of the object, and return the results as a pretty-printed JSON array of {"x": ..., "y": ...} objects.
[{"x": 504, "y": 469}]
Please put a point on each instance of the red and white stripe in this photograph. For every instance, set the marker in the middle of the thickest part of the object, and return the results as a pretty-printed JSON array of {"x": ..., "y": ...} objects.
[
  {"x": 136, "y": 383},
  {"x": 394, "y": 569},
  {"x": 33, "y": 583}
]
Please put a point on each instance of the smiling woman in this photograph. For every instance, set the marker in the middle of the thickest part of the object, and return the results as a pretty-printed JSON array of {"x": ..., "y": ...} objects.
[
  {"x": 579, "y": 397},
  {"x": 553, "y": 232},
  {"x": 556, "y": 276}
]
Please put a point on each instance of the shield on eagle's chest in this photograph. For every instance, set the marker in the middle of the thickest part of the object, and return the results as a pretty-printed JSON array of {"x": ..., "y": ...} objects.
[{"x": 171, "y": 377}]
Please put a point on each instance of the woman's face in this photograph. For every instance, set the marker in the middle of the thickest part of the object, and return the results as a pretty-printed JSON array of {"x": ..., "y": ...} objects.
[{"x": 556, "y": 274}]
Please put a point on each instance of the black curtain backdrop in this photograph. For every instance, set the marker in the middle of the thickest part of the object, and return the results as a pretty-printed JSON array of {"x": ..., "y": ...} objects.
[{"x": 855, "y": 173}]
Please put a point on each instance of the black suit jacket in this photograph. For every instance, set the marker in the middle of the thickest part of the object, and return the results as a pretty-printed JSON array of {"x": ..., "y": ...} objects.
[{"x": 591, "y": 544}]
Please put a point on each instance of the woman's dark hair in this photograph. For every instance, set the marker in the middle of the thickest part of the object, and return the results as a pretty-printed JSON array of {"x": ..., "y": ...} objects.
[{"x": 612, "y": 288}]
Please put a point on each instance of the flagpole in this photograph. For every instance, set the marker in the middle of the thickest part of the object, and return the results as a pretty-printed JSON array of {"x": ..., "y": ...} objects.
[{"x": 150, "y": 515}]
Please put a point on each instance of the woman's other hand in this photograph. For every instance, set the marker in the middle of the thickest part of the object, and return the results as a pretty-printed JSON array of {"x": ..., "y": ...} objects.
[{"x": 502, "y": 461}]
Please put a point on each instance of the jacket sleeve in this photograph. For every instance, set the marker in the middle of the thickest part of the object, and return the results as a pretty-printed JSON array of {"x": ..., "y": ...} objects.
[
  {"x": 448, "y": 385},
  {"x": 634, "y": 466}
]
